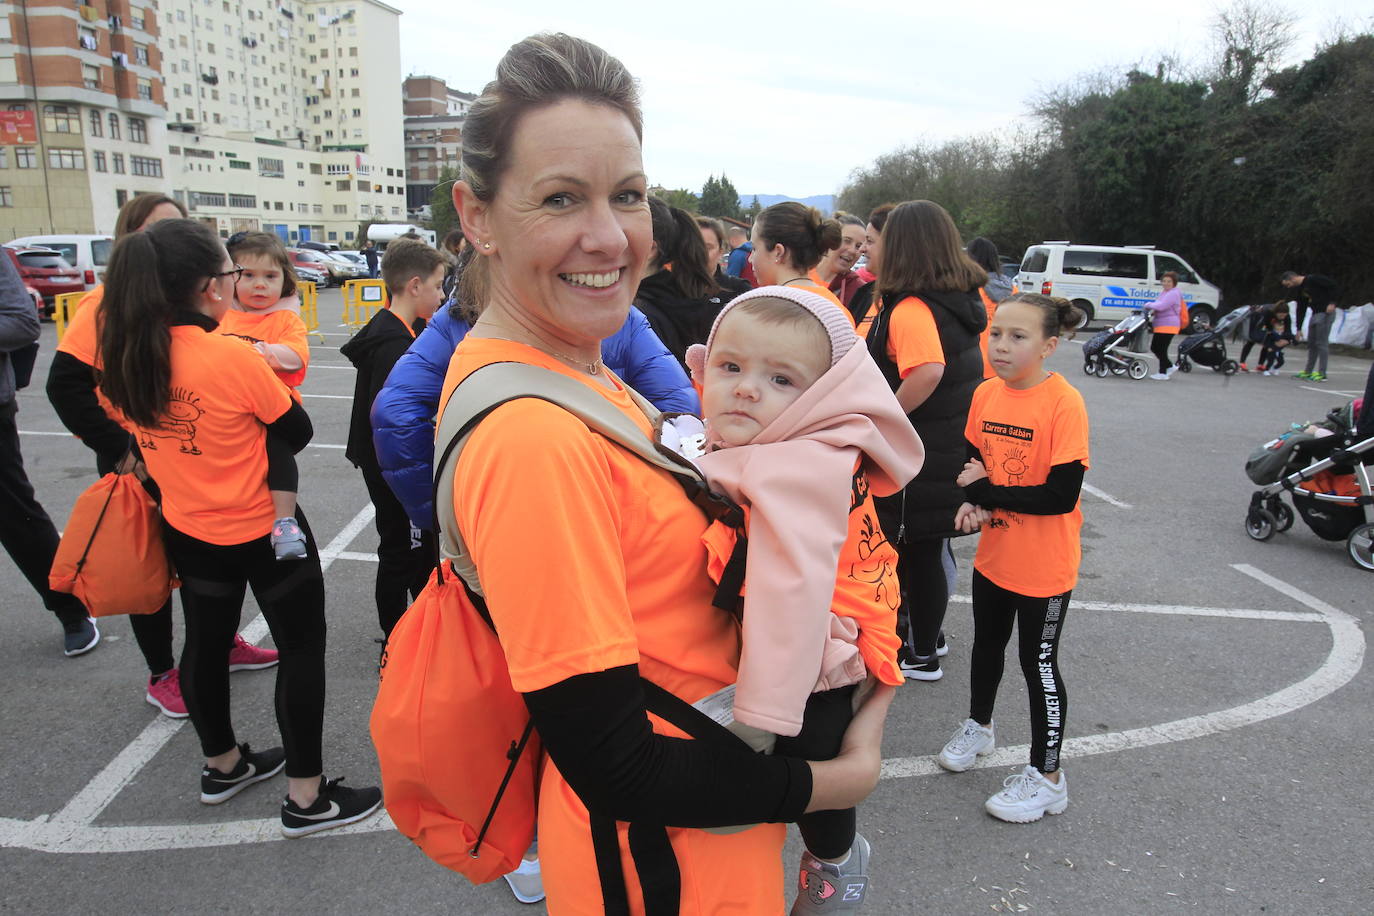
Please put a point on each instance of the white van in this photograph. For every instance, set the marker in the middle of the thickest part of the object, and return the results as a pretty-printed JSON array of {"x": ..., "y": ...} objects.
[
  {"x": 1108, "y": 282},
  {"x": 87, "y": 253}
]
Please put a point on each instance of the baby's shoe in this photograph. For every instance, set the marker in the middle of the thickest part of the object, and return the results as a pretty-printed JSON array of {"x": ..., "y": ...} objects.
[{"x": 288, "y": 541}]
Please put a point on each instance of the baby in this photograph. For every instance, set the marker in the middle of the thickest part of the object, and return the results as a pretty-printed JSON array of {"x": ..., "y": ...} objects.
[{"x": 801, "y": 430}]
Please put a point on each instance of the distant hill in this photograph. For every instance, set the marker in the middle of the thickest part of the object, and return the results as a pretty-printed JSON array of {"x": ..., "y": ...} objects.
[{"x": 822, "y": 202}]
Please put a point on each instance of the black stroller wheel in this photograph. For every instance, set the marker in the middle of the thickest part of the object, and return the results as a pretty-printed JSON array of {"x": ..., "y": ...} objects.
[
  {"x": 1102, "y": 368},
  {"x": 1230, "y": 367},
  {"x": 1090, "y": 365},
  {"x": 1260, "y": 524},
  {"x": 1185, "y": 364},
  {"x": 1360, "y": 545},
  {"x": 1283, "y": 516}
]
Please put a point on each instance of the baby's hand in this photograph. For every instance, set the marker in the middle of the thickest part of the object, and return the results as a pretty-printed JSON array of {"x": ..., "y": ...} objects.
[{"x": 972, "y": 471}]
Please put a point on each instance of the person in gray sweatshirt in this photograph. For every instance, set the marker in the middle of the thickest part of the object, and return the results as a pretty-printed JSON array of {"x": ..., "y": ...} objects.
[{"x": 28, "y": 534}]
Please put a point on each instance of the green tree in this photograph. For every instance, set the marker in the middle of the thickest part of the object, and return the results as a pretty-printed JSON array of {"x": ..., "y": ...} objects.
[
  {"x": 719, "y": 198},
  {"x": 752, "y": 211},
  {"x": 678, "y": 197},
  {"x": 442, "y": 216}
]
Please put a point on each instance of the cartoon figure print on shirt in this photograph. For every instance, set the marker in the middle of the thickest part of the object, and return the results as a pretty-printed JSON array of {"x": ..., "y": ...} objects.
[
  {"x": 872, "y": 565},
  {"x": 183, "y": 410},
  {"x": 1006, "y": 446}
]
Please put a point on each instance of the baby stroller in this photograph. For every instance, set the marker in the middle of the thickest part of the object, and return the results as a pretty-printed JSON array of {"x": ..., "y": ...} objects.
[
  {"x": 1327, "y": 478},
  {"x": 1117, "y": 350},
  {"x": 1208, "y": 348}
]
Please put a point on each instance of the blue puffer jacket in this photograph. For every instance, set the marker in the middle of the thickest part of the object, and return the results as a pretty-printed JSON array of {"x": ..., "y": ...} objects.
[{"x": 403, "y": 413}]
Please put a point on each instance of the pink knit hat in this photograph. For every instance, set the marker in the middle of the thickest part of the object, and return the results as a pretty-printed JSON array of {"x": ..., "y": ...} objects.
[{"x": 836, "y": 323}]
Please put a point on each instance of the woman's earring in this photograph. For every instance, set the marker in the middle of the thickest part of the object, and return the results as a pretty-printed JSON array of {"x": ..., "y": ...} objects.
[{"x": 486, "y": 246}]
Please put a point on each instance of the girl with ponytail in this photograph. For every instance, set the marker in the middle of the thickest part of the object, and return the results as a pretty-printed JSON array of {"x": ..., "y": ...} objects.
[
  {"x": 200, "y": 405},
  {"x": 1027, "y": 440},
  {"x": 678, "y": 295},
  {"x": 790, "y": 239}
]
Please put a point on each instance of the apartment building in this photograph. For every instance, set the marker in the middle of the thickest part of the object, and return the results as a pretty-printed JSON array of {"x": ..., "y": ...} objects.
[
  {"x": 82, "y": 109},
  {"x": 274, "y": 114},
  {"x": 434, "y": 116}
]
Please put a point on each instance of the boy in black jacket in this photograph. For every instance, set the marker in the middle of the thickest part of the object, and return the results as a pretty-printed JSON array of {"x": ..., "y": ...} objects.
[{"x": 414, "y": 275}]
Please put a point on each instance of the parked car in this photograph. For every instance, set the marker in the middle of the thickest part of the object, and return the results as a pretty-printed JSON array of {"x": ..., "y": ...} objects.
[
  {"x": 355, "y": 269},
  {"x": 355, "y": 256},
  {"x": 1110, "y": 282},
  {"x": 45, "y": 271},
  {"x": 311, "y": 275},
  {"x": 87, "y": 253},
  {"x": 318, "y": 246},
  {"x": 303, "y": 257},
  {"x": 37, "y": 302}
]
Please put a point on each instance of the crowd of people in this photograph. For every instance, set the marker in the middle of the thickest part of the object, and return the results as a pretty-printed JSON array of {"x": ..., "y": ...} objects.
[{"x": 865, "y": 389}]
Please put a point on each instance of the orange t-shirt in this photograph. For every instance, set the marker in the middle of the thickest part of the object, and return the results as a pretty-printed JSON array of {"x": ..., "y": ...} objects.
[
  {"x": 913, "y": 339},
  {"x": 209, "y": 455},
  {"x": 280, "y": 327},
  {"x": 591, "y": 559},
  {"x": 1021, "y": 435},
  {"x": 813, "y": 284},
  {"x": 80, "y": 338},
  {"x": 991, "y": 306}
]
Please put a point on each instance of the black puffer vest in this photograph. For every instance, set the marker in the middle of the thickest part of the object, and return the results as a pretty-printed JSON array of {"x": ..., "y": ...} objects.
[{"x": 926, "y": 507}]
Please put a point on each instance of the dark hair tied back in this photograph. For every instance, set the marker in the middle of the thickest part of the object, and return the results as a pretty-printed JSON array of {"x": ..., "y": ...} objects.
[
  {"x": 800, "y": 229},
  {"x": 1059, "y": 317}
]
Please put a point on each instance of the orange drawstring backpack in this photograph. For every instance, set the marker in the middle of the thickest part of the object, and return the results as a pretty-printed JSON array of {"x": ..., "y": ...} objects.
[
  {"x": 459, "y": 757},
  {"x": 112, "y": 556}
]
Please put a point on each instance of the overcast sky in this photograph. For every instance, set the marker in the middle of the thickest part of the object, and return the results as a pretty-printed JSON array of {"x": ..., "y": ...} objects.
[{"x": 789, "y": 98}]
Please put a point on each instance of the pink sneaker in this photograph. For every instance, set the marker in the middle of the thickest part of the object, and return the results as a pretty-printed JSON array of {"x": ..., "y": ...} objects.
[
  {"x": 247, "y": 657},
  {"x": 165, "y": 693}
]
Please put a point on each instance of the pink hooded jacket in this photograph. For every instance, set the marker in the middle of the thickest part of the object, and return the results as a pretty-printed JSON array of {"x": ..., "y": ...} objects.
[{"x": 796, "y": 478}]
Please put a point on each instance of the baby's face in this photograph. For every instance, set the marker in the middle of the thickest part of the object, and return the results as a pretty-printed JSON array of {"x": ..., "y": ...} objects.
[
  {"x": 261, "y": 282},
  {"x": 754, "y": 371}
]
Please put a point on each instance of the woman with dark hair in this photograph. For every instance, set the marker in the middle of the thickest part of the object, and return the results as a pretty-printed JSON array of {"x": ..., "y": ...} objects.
[
  {"x": 72, "y": 391},
  {"x": 925, "y": 339},
  {"x": 861, "y": 304},
  {"x": 554, "y": 199},
  {"x": 984, "y": 254},
  {"x": 1166, "y": 316},
  {"x": 790, "y": 239},
  {"x": 677, "y": 295},
  {"x": 836, "y": 269},
  {"x": 200, "y": 405},
  {"x": 713, "y": 237},
  {"x": 454, "y": 245}
]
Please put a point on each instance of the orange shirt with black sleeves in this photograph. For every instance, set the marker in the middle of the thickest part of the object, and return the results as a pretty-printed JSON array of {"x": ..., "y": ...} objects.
[
  {"x": 913, "y": 339},
  {"x": 590, "y": 560},
  {"x": 280, "y": 327},
  {"x": 1021, "y": 434},
  {"x": 209, "y": 453}
]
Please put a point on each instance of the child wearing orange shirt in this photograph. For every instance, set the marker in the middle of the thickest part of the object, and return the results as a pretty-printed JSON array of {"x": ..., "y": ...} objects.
[
  {"x": 801, "y": 430},
  {"x": 1028, "y": 443},
  {"x": 266, "y": 313}
]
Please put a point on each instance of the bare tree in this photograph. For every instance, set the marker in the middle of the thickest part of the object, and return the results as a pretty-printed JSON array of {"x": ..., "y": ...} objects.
[{"x": 1250, "y": 39}]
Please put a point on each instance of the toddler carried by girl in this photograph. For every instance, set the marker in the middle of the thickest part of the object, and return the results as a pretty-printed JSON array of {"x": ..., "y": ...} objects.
[
  {"x": 266, "y": 313},
  {"x": 801, "y": 430}
]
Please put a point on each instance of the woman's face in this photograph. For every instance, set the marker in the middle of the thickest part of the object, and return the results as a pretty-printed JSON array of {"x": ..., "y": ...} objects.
[
  {"x": 160, "y": 212},
  {"x": 852, "y": 240},
  {"x": 569, "y": 225},
  {"x": 712, "y": 242},
  {"x": 765, "y": 262},
  {"x": 219, "y": 289},
  {"x": 873, "y": 248},
  {"x": 1169, "y": 283}
]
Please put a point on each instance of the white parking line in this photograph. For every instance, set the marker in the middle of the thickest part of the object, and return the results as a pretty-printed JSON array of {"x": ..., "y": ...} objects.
[
  {"x": 330, "y": 397},
  {"x": 1334, "y": 392},
  {"x": 1105, "y": 496}
]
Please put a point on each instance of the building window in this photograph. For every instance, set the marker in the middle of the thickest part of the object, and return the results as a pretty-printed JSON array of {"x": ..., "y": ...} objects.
[
  {"x": 99, "y": 159},
  {"x": 117, "y": 163},
  {"x": 317, "y": 209},
  {"x": 61, "y": 119},
  {"x": 356, "y": 92},
  {"x": 24, "y": 158},
  {"x": 271, "y": 168},
  {"x": 138, "y": 130},
  {"x": 66, "y": 159},
  {"x": 279, "y": 205},
  {"x": 86, "y": 38},
  {"x": 343, "y": 185},
  {"x": 365, "y": 210},
  {"x": 357, "y": 112},
  {"x": 96, "y": 122},
  {"x": 314, "y": 168},
  {"x": 114, "y": 126},
  {"x": 121, "y": 198},
  {"x": 352, "y": 52},
  {"x": 136, "y": 20},
  {"x": 248, "y": 201},
  {"x": 6, "y": 197},
  {"x": 145, "y": 90},
  {"x": 240, "y": 164},
  {"x": 146, "y": 166},
  {"x": 353, "y": 72},
  {"x": 206, "y": 199},
  {"x": 141, "y": 54},
  {"x": 4, "y": 158}
]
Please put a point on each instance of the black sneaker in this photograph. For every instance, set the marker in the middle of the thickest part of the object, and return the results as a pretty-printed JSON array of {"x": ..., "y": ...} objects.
[
  {"x": 217, "y": 787},
  {"x": 81, "y": 638},
  {"x": 336, "y": 806},
  {"x": 916, "y": 668}
]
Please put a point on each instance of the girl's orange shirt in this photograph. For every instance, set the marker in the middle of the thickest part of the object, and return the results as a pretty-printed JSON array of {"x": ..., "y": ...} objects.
[
  {"x": 913, "y": 339},
  {"x": 1021, "y": 434},
  {"x": 279, "y": 327}
]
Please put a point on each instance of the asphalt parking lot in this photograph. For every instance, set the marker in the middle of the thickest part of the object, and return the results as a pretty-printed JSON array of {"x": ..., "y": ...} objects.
[{"x": 1220, "y": 709}]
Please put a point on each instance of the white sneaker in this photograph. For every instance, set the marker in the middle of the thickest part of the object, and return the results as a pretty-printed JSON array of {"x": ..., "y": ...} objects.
[
  {"x": 526, "y": 883},
  {"x": 1171, "y": 371},
  {"x": 1160, "y": 376},
  {"x": 1027, "y": 796},
  {"x": 970, "y": 742}
]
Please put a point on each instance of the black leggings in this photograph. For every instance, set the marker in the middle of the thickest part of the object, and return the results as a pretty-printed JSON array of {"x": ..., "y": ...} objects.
[
  {"x": 405, "y": 554},
  {"x": 1159, "y": 346},
  {"x": 925, "y": 594},
  {"x": 827, "y": 834},
  {"x": 281, "y": 465},
  {"x": 291, "y": 596},
  {"x": 1040, "y": 624}
]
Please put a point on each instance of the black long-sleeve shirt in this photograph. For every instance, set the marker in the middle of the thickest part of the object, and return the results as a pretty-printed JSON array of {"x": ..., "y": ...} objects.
[{"x": 1056, "y": 496}]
